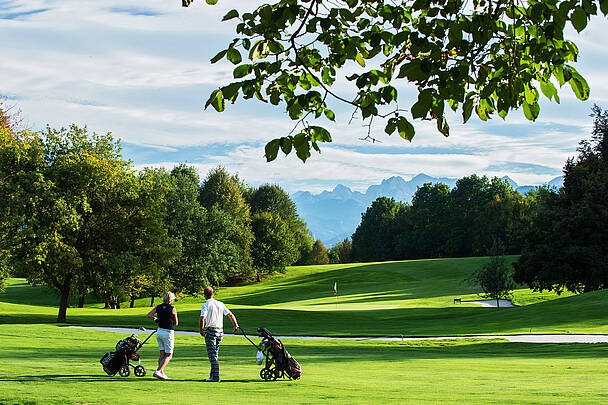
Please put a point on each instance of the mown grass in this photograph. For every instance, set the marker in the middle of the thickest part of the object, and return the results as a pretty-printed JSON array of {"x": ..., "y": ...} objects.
[
  {"x": 52, "y": 364},
  {"x": 45, "y": 363},
  {"x": 411, "y": 298}
]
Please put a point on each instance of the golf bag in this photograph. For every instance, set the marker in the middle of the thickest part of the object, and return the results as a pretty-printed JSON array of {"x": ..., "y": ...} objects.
[
  {"x": 119, "y": 360},
  {"x": 279, "y": 362}
]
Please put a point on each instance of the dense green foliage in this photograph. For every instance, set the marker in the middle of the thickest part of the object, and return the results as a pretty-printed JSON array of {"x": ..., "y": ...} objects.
[
  {"x": 374, "y": 238},
  {"x": 185, "y": 220},
  {"x": 318, "y": 254},
  {"x": 487, "y": 57},
  {"x": 495, "y": 278},
  {"x": 567, "y": 241},
  {"x": 281, "y": 236},
  {"x": 223, "y": 192},
  {"x": 341, "y": 252},
  {"x": 76, "y": 217},
  {"x": 464, "y": 221}
]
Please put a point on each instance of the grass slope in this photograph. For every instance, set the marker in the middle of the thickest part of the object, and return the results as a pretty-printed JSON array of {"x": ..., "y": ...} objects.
[{"x": 410, "y": 298}]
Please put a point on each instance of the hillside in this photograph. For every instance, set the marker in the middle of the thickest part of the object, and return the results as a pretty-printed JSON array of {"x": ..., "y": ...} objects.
[{"x": 411, "y": 298}]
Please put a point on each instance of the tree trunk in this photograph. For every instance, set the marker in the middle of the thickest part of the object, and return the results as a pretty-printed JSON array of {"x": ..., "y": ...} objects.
[
  {"x": 64, "y": 303},
  {"x": 132, "y": 302},
  {"x": 152, "y": 301},
  {"x": 108, "y": 306},
  {"x": 497, "y": 303},
  {"x": 81, "y": 301},
  {"x": 116, "y": 303}
]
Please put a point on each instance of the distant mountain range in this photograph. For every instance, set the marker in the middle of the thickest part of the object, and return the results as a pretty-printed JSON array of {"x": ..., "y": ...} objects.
[{"x": 334, "y": 215}]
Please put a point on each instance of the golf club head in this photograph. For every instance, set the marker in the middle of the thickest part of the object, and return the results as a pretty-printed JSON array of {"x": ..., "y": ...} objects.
[{"x": 142, "y": 329}]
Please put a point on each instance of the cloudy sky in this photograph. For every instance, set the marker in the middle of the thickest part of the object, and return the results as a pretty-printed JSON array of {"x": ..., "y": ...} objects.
[{"x": 141, "y": 70}]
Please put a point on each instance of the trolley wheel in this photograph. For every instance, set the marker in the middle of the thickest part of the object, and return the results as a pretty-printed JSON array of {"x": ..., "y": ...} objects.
[
  {"x": 275, "y": 374},
  {"x": 139, "y": 370},
  {"x": 124, "y": 371},
  {"x": 266, "y": 374}
]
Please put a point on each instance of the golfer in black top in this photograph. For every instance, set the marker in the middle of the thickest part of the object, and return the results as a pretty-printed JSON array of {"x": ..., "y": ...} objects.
[{"x": 166, "y": 316}]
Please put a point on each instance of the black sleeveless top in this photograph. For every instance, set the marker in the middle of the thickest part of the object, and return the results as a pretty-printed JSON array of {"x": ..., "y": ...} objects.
[{"x": 164, "y": 313}]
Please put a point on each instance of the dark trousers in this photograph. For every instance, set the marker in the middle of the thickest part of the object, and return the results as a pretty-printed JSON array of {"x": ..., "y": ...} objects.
[{"x": 213, "y": 338}]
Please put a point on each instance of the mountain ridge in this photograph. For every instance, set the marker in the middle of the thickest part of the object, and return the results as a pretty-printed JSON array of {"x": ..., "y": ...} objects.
[{"x": 334, "y": 215}]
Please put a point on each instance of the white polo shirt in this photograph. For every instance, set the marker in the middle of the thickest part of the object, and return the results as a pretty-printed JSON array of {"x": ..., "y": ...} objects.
[{"x": 214, "y": 311}]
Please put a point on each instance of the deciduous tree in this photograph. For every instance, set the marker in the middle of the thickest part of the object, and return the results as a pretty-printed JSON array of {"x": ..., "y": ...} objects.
[
  {"x": 567, "y": 243},
  {"x": 224, "y": 192},
  {"x": 495, "y": 279},
  {"x": 486, "y": 57}
]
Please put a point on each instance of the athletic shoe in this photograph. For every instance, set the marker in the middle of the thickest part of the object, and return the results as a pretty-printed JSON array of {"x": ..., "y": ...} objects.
[
  {"x": 158, "y": 375},
  {"x": 211, "y": 380},
  {"x": 164, "y": 376}
]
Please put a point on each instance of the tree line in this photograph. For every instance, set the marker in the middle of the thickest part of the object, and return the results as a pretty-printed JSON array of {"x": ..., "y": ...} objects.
[
  {"x": 561, "y": 235},
  {"x": 464, "y": 221},
  {"x": 77, "y": 217}
]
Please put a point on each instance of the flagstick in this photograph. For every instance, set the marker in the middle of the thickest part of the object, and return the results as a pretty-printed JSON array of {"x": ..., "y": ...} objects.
[{"x": 336, "y": 301}]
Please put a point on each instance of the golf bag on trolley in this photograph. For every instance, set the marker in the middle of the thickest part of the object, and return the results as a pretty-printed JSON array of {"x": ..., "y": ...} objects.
[
  {"x": 119, "y": 361},
  {"x": 278, "y": 362}
]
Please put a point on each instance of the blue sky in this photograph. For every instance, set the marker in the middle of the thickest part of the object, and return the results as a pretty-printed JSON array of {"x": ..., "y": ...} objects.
[{"x": 141, "y": 71}]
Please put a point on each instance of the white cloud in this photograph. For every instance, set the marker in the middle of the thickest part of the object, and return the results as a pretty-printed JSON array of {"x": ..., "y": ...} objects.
[{"x": 141, "y": 71}]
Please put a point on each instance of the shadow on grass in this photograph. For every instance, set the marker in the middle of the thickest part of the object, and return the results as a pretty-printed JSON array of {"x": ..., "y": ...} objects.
[
  {"x": 557, "y": 314},
  {"x": 306, "y": 352},
  {"x": 102, "y": 378},
  {"x": 414, "y": 278}
]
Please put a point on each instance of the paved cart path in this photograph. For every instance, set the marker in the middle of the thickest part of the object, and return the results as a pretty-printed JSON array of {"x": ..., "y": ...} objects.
[{"x": 544, "y": 338}]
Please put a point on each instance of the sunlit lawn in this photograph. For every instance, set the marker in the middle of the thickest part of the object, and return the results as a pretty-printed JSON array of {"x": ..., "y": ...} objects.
[{"x": 52, "y": 364}]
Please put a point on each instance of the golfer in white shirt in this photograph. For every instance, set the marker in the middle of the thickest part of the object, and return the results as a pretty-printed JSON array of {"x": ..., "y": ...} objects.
[{"x": 211, "y": 327}]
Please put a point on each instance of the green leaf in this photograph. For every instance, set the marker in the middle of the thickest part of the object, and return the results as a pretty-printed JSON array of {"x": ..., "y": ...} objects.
[
  {"x": 231, "y": 14},
  {"x": 230, "y": 91},
  {"x": 234, "y": 56},
  {"x": 391, "y": 125},
  {"x": 442, "y": 126},
  {"x": 302, "y": 146},
  {"x": 405, "y": 128},
  {"x": 212, "y": 2},
  {"x": 423, "y": 105},
  {"x": 329, "y": 114},
  {"x": 216, "y": 99},
  {"x": 320, "y": 134},
  {"x": 580, "y": 87},
  {"x": 548, "y": 89},
  {"x": 241, "y": 71},
  {"x": 531, "y": 111},
  {"x": 219, "y": 56},
  {"x": 604, "y": 6},
  {"x": 286, "y": 145},
  {"x": 579, "y": 19},
  {"x": 467, "y": 109},
  {"x": 360, "y": 60},
  {"x": 531, "y": 94},
  {"x": 272, "y": 149}
]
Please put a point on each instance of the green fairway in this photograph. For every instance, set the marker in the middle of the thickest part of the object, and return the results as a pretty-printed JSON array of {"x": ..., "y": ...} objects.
[
  {"x": 49, "y": 363},
  {"x": 52, "y": 364},
  {"x": 412, "y": 298}
]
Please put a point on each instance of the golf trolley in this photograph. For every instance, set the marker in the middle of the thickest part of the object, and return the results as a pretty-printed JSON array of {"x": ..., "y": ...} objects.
[
  {"x": 278, "y": 362},
  {"x": 120, "y": 360}
]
